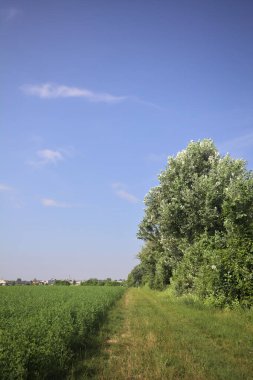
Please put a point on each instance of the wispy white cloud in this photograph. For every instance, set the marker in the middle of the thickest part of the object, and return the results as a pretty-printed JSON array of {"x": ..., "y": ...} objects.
[
  {"x": 138, "y": 100},
  {"x": 127, "y": 196},
  {"x": 239, "y": 143},
  {"x": 9, "y": 14},
  {"x": 53, "y": 91},
  {"x": 47, "y": 156},
  {"x": 121, "y": 192},
  {"x": 49, "y": 202},
  {"x": 5, "y": 188}
]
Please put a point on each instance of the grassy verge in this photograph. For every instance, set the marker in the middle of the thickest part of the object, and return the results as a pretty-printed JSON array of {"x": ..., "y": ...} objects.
[{"x": 151, "y": 336}]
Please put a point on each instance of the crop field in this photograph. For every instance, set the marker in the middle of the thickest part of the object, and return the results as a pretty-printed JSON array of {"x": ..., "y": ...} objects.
[{"x": 42, "y": 328}]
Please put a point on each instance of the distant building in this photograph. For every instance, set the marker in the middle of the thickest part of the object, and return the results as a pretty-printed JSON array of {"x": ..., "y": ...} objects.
[{"x": 3, "y": 283}]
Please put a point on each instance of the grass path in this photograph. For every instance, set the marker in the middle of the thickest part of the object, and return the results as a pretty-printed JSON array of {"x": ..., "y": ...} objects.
[{"x": 151, "y": 336}]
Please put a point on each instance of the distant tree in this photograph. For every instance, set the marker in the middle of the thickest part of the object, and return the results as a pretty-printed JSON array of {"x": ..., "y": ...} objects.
[
  {"x": 135, "y": 277},
  {"x": 97, "y": 282},
  {"x": 62, "y": 282}
]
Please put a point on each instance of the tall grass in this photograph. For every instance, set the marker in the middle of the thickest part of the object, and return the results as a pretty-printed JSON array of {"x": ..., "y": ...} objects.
[{"x": 160, "y": 337}]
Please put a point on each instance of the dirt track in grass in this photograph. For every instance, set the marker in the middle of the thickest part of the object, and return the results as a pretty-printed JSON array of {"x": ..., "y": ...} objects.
[{"x": 149, "y": 335}]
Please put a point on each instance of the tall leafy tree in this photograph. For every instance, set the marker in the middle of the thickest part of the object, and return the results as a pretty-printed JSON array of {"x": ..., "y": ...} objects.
[{"x": 201, "y": 209}]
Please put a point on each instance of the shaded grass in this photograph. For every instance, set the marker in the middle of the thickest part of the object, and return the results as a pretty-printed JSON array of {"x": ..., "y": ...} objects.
[
  {"x": 95, "y": 357},
  {"x": 149, "y": 335}
]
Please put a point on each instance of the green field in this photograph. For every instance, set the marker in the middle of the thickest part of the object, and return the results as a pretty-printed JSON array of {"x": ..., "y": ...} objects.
[
  {"x": 81, "y": 333},
  {"x": 43, "y": 328}
]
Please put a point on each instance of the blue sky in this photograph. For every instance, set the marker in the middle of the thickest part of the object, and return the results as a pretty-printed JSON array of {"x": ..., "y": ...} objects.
[{"x": 95, "y": 95}]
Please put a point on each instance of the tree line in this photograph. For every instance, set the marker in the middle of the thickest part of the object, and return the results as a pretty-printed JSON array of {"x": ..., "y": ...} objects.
[{"x": 198, "y": 228}]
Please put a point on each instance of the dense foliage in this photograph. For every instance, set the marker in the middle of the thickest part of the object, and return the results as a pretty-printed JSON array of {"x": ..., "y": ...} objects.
[
  {"x": 198, "y": 228},
  {"x": 62, "y": 282},
  {"x": 42, "y": 327}
]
